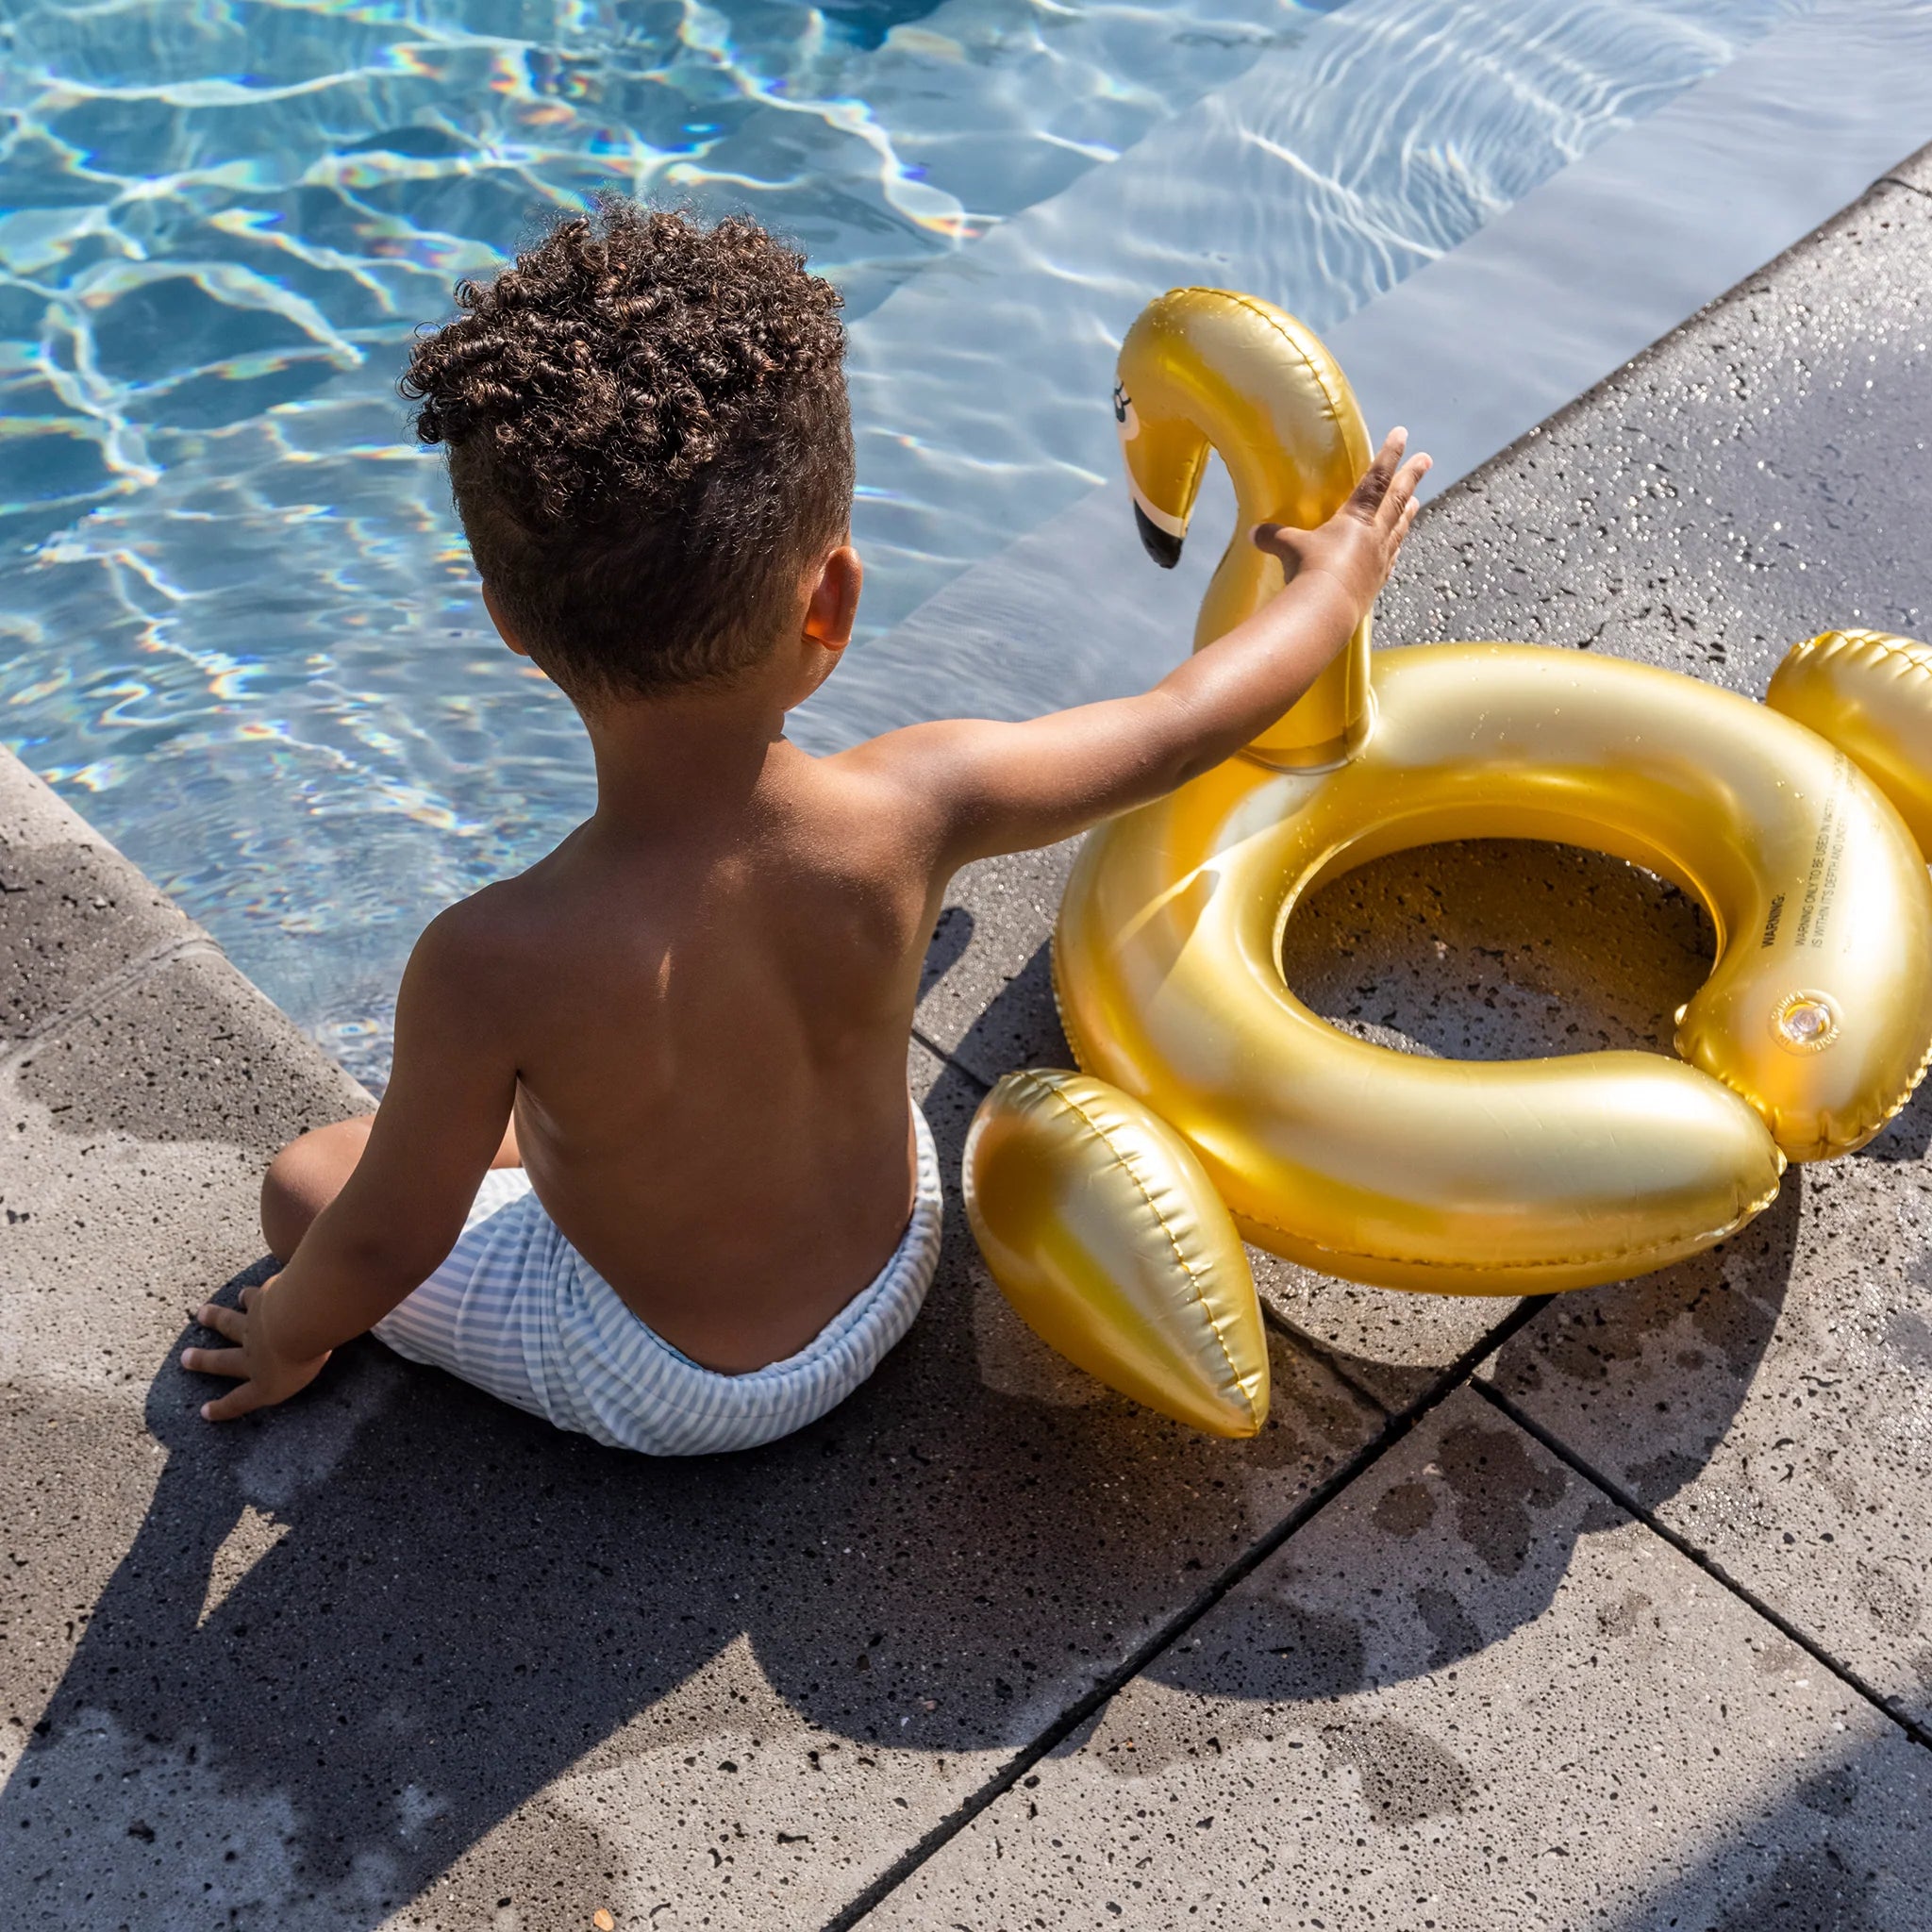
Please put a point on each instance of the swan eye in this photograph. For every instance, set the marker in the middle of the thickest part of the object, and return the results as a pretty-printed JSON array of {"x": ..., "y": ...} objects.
[{"x": 1124, "y": 414}]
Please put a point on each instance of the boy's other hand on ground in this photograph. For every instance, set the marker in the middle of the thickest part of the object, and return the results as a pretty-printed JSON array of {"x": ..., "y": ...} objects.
[
  {"x": 264, "y": 1378},
  {"x": 1358, "y": 545}
]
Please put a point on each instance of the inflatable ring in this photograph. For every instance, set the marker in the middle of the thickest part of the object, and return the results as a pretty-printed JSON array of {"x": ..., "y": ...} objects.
[
  {"x": 1512, "y": 1176},
  {"x": 1870, "y": 694},
  {"x": 1443, "y": 1175}
]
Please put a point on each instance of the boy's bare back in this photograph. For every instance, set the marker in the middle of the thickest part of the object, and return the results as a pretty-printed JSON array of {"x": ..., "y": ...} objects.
[
  {"x": 707, "y": 1023},
  {"x": 690, "y": 1023}
]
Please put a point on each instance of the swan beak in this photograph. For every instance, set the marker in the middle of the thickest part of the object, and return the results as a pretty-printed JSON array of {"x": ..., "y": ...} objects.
[{"x": 1164, "y": 548}]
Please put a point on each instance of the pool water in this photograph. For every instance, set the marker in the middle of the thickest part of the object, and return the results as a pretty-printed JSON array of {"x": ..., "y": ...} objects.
[{"x": 238, "y": 627}]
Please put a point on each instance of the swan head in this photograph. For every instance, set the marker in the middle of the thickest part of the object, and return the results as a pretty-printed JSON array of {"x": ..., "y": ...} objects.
[{"x": 1211, "y": 370}]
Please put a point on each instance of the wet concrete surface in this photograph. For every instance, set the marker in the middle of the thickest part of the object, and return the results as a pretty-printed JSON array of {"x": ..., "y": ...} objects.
[
  {"x": 1473, "y": 1693},
  {"x": 1605, "y": 1610}
]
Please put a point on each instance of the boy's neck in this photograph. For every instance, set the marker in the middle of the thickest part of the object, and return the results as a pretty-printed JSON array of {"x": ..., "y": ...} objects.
[{"x": 686, "y": 757}]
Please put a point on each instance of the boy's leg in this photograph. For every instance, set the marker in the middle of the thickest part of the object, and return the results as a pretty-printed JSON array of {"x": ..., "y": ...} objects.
[{"x": 310, "y": 1171}]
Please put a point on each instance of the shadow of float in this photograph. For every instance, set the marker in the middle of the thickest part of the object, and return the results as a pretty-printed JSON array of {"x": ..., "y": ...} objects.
[{"x": 1512, "y": 1509}]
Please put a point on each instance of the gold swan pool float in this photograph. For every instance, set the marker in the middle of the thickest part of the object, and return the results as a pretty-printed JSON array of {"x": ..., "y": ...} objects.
[{"x": 1213, "y": 1105}]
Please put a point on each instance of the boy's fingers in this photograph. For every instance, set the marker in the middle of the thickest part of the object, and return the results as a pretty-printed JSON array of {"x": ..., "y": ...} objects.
[
  {"x": 1370, "y": 492},
  {"x": 1402, "y": 490},
  {"x": 239, "y": 1401},
  {"x": 229, "y": 1322},
  {"x": 215, "y": 1361},
  {"x": 1390, "y": 454}
]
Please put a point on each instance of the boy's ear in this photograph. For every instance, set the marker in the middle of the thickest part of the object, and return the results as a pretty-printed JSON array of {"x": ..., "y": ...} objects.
[
  {"x": 496, "y": 617},
  {"x": 833, "y": 607}
]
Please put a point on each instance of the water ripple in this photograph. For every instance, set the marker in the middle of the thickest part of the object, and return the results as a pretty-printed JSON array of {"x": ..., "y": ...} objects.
[{"x": 236, "y": 619}]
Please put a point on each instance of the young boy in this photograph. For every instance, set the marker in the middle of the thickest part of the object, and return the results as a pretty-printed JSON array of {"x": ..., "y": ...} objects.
[{"x": 647, "y": 1164}]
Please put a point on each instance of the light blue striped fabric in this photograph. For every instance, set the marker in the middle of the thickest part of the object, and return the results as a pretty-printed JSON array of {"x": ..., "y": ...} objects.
[{"x": 517, "y": 1312}]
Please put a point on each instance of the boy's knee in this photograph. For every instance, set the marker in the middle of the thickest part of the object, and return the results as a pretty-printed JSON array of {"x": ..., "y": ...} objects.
[
  {"x": 305, "y": 1177},
  {"x": 286, "y": 1210}
]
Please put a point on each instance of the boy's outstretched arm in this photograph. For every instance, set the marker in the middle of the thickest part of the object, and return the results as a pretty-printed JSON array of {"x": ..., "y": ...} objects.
[
  {"x": 399, "y": 1213},
  {"x": 995, "y": 788}
]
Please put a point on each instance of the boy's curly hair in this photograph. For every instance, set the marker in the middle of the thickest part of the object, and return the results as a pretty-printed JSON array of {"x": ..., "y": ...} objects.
[{"x": 649, "y": 442}]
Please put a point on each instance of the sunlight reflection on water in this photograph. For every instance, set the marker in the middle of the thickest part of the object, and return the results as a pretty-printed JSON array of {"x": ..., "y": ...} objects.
[{"x": 238, "y": 627}]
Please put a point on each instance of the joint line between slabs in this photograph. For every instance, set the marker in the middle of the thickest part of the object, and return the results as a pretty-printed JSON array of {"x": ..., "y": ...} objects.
[
  {"x": 1395, "y": 1430},
  {"x": 1319, "y": 1351},
  {"x": 1706, "y": 1562},
  {"x": 933, "y": 1047},
  {"x": 1331, "y": 1358}
]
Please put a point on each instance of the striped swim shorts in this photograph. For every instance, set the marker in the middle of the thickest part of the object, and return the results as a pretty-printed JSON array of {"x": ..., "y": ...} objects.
[{"x": 519, "y": 1313}]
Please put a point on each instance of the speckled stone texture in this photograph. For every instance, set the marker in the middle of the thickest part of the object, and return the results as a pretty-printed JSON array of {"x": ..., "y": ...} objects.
[
  {"x": 75, "y": 916},
  {"x": 1771, "y": 1403},
  {"x": 1470, "y": 1694},
  {"x": 1755, "y": 478},
  {"x": 142, "y": 1084},
  {"x": 986, "y": 997}
]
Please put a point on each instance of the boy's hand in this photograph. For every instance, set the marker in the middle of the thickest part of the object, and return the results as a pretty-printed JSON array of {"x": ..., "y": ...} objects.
[
  {"x": 1357, "y": 545},
  {"x": 985, "y": 787},
  {"x": 264, "y": 1377}
]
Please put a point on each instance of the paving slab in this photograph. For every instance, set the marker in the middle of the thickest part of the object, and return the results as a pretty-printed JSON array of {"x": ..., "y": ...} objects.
[
  {"x": 1745, "y": 483},
  {"x": 74, "y": 913},
  {"x": 1471, "y": 1694},
  {"x": 1751, "y": 480},
  {"x": 398, "y": 1654},
  {"x": 986, "y": 1000},
  {"x": 1772, "y": 1402},
  {"x": 133, "y": 1134}
]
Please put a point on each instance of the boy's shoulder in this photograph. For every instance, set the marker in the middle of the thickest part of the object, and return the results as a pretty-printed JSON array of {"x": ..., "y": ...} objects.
[
  {"x": 495, "y": 932},
  {"x": 882, "y": 784}
]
